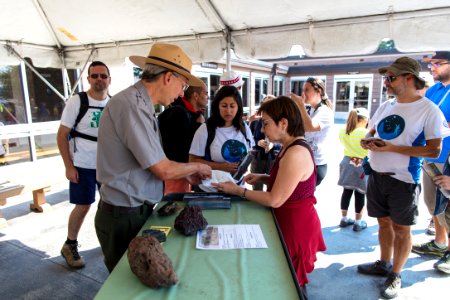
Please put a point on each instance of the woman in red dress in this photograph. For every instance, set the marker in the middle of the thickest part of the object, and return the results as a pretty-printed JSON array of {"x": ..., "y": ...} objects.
[{"x": 290, "y": 185}]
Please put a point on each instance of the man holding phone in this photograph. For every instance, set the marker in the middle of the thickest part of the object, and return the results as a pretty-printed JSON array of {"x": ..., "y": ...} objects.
[{"x": 410, "y": 128}]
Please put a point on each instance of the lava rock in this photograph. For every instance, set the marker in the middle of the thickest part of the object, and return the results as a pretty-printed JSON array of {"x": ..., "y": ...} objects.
[
  {"x": 168, "y": 209},
  {"x": 190, "y": 220},
  {"x": 149, "y": 262}
]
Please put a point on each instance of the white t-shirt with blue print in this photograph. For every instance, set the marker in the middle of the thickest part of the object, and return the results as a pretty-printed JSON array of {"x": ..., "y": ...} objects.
[
  {"x": 229, "y": 144},
  {"x": 405, "y": 124}
]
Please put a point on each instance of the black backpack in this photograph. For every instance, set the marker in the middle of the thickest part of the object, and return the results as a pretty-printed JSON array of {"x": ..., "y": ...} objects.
[{"x": 84, "y": 106}]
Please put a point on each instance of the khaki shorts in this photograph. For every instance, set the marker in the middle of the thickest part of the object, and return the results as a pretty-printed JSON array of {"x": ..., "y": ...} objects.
[{"x": 429, "y": 195}]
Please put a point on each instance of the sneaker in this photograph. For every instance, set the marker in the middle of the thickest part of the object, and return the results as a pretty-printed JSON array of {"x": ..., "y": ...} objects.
[
  {"x": 361, "y": 226},
  {"x": 70, "y": 253},
  {"x": 391, "y": 286},
  {"x": 443, "y": 264},
  {"x": 344, "y": 224},
  {"x": 429, "y": 248},
  {"x": 380, "y": 268},
  {"x": 430, "y": 229}
]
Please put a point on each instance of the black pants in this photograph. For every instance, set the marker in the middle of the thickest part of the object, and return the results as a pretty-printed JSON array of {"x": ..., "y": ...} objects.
[{"x": 359, "y": 200}]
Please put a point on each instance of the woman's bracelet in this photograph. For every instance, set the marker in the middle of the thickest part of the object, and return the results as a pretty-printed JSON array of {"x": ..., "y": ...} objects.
[{"x": 243, "y": 194}]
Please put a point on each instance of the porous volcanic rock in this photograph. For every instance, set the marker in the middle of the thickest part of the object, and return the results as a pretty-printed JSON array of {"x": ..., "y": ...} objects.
[
  {"x": 190, "y": 220},
  {"x": 149, "y": 262}
]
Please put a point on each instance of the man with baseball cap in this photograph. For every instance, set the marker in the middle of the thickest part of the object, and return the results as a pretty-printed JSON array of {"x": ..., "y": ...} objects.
[
  {"x": 410, "y": 127},
  {"x": 439, "y": 94},
  {"x": 131, "y": 164}
]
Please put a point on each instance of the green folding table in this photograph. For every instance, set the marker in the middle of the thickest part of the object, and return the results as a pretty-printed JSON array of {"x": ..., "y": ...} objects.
[{"x": 214, "y": 274}]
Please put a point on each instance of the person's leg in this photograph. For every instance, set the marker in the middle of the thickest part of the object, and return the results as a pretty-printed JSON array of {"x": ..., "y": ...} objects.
[
  {"x": 345, "y": 202},
  {"x": 443, "y": 264},
  {"x": 76, "y": 219},
  {"x": 115, "y": 232},
  {"x": 321, "y": 172},
  {"x": 402, "y": 246},
  {"x": 82, "y": 194},
  {"x": 386, "y": 238},
  {"x": 359, "y": 205}
]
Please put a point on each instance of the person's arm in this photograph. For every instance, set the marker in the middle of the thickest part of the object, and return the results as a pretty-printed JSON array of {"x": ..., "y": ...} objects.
[
  {"x": 168, "y": 169},
  {"x": 309, "y": 124},
  {"x": 288, "y": 177},
  {"x": 223, "y": 166},
  {"x": 432, "y": 149},
  {"x": 64, "y": 149}
]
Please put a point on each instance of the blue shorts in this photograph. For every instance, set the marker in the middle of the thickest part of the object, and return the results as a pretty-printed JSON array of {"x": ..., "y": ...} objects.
[
  {"x": 83, "y": 192},
  {"x": 389, "y": 197}
]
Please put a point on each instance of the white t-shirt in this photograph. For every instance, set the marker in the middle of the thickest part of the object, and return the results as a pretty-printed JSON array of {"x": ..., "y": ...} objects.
[
  {"x": 406, "y": 124},
  {"x": 229, "y": 144},
  {"x": 319, "y": 140},
  {"x": 85, "y": 155}
]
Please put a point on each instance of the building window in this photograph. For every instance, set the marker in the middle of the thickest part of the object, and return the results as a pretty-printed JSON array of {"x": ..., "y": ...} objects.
[
  {"x": 12, "y": 104},
  {"x": 278, "y": 87}
]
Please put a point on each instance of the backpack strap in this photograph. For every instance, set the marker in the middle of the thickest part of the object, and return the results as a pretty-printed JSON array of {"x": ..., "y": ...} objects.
[
  {"x": 209, "y": 140},
  {"x": 212, "y": 135},
  {"x": 84, "y": 106}
]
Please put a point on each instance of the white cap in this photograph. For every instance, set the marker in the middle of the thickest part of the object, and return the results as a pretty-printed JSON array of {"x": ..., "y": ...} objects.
[
  {"x": 361, "y": 111},
  {"x": 231, "y": 78}
]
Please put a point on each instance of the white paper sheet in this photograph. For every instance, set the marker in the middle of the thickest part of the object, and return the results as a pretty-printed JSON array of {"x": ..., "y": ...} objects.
[{"x": 222, "y": 237}]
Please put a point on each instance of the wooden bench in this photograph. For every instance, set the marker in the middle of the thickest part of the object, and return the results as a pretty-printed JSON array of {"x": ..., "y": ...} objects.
[{"x": 36, "y": 177}]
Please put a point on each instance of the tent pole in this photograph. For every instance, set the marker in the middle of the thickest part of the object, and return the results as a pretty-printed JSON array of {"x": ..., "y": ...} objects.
[
  {"x": 228, "y": 52},
  {"x": 13, "y": 51},
  {"x": 81, "y": 73}
]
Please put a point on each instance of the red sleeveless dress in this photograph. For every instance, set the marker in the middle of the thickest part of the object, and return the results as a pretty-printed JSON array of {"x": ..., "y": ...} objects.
[{"x": 299, "y": 222}]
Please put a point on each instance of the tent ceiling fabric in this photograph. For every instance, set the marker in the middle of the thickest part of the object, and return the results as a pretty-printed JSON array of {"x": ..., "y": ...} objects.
[{"x": 46, "y": 30}]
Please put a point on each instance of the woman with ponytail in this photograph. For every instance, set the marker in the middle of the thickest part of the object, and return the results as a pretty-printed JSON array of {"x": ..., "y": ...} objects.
[
  {"x": 318, "y": 116},
  {"x": 351, "y": 173}
]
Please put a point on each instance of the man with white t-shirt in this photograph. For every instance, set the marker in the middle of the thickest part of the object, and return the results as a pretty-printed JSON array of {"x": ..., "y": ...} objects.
[
  {"x": 79, "y": 153},
  {"x": 409, "y": 127}
]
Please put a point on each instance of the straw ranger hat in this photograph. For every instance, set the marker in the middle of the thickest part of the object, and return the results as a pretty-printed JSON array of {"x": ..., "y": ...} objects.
[{"x": 171, "y": 57}]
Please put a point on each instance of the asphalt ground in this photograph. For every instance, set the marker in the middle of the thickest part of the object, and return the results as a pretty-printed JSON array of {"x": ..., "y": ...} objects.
[{"x": 31, "y": 266}]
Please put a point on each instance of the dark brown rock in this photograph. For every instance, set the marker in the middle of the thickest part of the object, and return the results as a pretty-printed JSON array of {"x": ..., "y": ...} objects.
[
  {"x": 190, "y": 220},
  {"x": 149, "y": 262},
  {"x": 168, "y": 209}
]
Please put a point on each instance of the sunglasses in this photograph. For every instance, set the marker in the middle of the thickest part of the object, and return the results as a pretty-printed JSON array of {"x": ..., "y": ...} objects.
[
  {"x": 102, "y": 76},
  {"x": 436, "y": 65},
  {"x": 390, "y": 79}
]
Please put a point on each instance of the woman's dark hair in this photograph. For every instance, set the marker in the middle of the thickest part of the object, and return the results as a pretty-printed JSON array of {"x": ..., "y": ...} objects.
[
  {"x": 216, "y": 120},
  {"x": 284, "y": 107},
  {"x": 319, "y": 86}
]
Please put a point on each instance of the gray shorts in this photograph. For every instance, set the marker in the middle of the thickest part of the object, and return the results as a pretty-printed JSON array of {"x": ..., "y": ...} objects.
[{"x": 389, "y": 197}]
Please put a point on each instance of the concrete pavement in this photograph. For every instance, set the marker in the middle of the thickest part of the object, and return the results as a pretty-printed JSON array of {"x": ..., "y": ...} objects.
[{"x": 32, "y": 267}]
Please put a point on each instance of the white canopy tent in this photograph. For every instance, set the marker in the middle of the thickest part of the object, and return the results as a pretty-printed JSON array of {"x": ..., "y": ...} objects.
[{"x": 67, "y": 33}]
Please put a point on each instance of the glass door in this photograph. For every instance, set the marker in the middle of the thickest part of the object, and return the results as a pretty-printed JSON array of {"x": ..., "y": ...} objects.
[{"x": 350, "y": 93}]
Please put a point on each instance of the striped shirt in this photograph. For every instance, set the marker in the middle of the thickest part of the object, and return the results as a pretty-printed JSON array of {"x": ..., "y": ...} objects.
[{"x": 351, "y": 142}]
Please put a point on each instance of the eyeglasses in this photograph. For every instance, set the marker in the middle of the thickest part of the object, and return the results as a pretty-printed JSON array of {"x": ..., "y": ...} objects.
[
  {"x": 266, "y": 122},
  {"x": 390, "y": 79},
  {"x": 102, "y": 76},
  {"x": 185, "y": 85},
  {"x": 436, "y": 65}
]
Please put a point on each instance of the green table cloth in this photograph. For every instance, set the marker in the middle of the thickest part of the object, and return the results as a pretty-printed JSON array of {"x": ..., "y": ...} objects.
[{"x": 214, "y": 274}]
